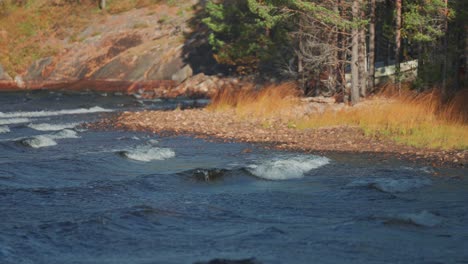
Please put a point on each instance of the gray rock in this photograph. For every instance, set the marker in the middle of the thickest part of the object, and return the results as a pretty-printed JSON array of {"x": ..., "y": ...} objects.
[
  {"x": 183, "y": 74},
  {"x": 37, "y": 69},
  {"x": 165, "y": 70},
  {"x": 4, "y": 75},
  {"x": 20, "y": 82}
]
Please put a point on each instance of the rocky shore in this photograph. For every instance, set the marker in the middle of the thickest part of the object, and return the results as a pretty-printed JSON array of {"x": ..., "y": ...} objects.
[
  {"x": 276, "y": 133},
  {"x": 197, "y": 86}
]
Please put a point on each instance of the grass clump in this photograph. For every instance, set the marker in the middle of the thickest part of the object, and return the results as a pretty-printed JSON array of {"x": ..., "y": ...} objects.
[
  {"x": 419, "y": 120},
  {"x": 272, "y": 101}
]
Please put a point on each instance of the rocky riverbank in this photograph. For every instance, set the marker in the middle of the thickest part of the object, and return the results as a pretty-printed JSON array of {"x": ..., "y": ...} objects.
[{"x": 277, "y": 134}]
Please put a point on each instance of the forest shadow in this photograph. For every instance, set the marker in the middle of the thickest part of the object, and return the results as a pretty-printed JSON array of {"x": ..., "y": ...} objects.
[{"x": 197, "y": 52}]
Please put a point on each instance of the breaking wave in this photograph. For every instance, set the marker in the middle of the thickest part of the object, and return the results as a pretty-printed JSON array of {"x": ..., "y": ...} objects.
[
  {"x": 65, "y": 133},
  {"x": 424, "y": 218},
  {"x": 148, "y": 153},
  {"x": 390, "y": 185},
  {"x": 48, "y": 140},
  {"x": 40, "y": 141},
  {"x": 95, "y": 109},
  {"x": 287, "y": 168},
  {"x": 9, "y": 121},
  {"x": 52, "y": 127},
  {"x": 4, "y": 129}
]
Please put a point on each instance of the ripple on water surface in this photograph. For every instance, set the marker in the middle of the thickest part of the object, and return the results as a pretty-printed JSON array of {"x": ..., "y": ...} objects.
[
  {"x": 423, "y": 219},
  {"x": 392, "y": 185}
]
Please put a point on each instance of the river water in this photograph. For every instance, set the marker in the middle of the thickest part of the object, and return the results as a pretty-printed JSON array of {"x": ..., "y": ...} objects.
[{"x": 71, "y": 195}]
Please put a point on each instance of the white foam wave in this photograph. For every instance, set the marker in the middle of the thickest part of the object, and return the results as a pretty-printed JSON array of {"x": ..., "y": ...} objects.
[
  {"x": 424, "y": 218},
  {"x": 48, "y": 140},
  {"x": 9, "y": 121},
  {"x": 287, "y": 167},
  {"x": 426, "y": 169},
  {"x": 4, "y": 129},
  {"x": 66, "y": 133},
  {"x": 95, "y": 109},
  {"x": 390, "y": 185},
  {"x": 153, "y": 142},
  {"x": 148, "y": 153},
  {"x": 40, "y": 141},
  {"x": 52, "y": 127}
]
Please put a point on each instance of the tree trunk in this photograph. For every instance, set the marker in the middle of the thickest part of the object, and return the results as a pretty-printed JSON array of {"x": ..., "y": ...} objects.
[
  {"x": 362, "y": 59},
  {"x": 355, "y": 56},
  {"x": 343, "y": 58},
  {"x": 362, "y": 63},
  {"x": 102, "y": 4},
  {"x": 445, "y": 51},
  {"x": 371, "y": 72},
  {"x": 465, "y": 81},
  {"x": 397, "y": 43},
  {"x": 335, "y": 68}
]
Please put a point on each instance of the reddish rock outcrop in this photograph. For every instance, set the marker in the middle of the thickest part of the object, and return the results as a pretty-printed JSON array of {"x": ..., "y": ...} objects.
[{"x": 140, "y": 51}]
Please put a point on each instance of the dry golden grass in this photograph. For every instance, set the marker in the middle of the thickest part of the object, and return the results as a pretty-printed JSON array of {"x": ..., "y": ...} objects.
[
  {"x": 411, "y": 119},
  {"x": 272, "y": 101}
]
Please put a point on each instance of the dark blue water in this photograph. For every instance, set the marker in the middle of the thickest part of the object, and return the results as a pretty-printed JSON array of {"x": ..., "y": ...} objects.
[{"x": 71, "y": 195}]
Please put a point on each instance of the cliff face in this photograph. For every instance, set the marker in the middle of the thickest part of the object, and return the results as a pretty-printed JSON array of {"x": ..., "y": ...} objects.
[{"x": 142, "y": 49}]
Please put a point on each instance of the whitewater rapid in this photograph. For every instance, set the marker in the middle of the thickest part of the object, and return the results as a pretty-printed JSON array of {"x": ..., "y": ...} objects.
[
  {"x": 12, "y": 121},
  {"x": 4, "y": 129},
  {"x": 20, "y": 114},
  {"x": 147, "y": 152},
  {"x": 52, "y": 127},
  {"x": 48, "y": 140},
  {"x": 287, "y": 167}
]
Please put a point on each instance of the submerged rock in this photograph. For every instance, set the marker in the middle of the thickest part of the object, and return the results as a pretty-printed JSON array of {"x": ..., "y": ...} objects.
[{"x": 208, "y": 174}]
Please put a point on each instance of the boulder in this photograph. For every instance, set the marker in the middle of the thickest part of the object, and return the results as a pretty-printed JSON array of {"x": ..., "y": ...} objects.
[{"x": 183, "y": 74}]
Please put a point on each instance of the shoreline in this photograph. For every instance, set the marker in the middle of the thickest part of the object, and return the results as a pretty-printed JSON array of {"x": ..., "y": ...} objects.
[
  {"x": 127, "y": 86},
  {"x": 224, "y": 126}
]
